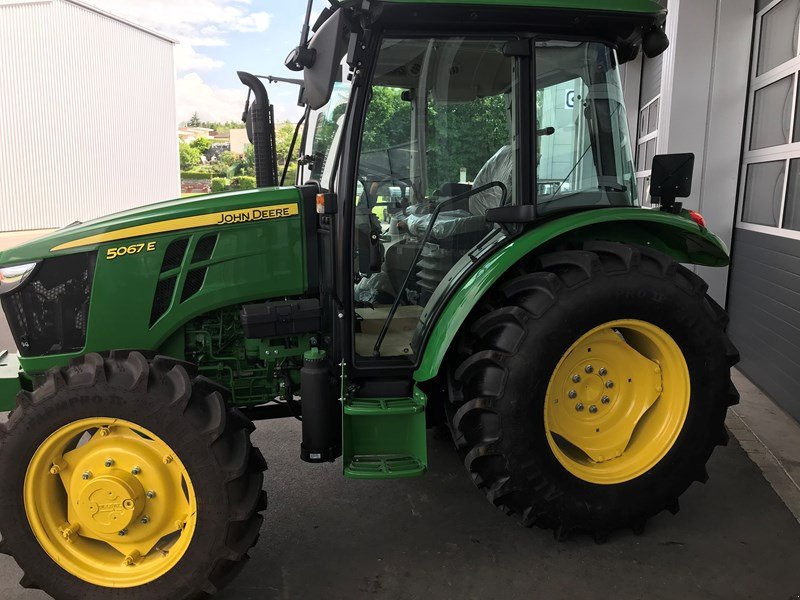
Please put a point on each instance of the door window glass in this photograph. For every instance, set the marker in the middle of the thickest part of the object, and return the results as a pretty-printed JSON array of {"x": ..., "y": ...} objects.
[{"x": 437, "y": 152}]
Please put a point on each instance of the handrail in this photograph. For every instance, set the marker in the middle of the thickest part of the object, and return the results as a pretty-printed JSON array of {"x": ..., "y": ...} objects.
[{"x": 376, "y": 351}]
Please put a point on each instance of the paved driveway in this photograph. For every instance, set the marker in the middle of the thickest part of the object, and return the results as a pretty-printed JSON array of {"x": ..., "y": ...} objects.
[{"x": 327, "y": 538}]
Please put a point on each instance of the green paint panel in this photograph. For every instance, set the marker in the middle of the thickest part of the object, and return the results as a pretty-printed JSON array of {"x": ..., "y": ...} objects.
[
  {"x": 384, "y": 438},
  {"x": 635, "y": 6},
  {"x": 251, "y": 261},
  {"x": 675, "y": 235},
  {"x": 10, "y": 382}
]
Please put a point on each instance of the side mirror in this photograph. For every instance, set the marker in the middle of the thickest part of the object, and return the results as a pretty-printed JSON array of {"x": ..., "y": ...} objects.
[
  {"x": 325, "y": 53},
  {"x": 671, "y": 178}
]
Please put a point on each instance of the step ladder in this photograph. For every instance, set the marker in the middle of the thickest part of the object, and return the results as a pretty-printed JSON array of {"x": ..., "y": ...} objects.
[{"x": 384, "y": 438}]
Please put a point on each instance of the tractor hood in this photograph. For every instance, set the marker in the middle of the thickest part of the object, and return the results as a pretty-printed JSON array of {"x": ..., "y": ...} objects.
[{"x": 173, "y": 215}]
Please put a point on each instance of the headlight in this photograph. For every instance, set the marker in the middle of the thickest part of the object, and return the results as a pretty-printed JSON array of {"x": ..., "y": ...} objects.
[{"x": 13, "y": 277}]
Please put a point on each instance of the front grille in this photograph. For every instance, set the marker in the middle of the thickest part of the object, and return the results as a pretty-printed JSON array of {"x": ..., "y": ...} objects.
[{"x": 48, "y": 314}]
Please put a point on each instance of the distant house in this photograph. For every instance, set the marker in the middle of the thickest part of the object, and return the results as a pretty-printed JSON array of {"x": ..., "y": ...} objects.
[
  {"x": 239, "y": 140},
  {"x": 86, "y": 131},
  {"x": 190, "y": 134}
]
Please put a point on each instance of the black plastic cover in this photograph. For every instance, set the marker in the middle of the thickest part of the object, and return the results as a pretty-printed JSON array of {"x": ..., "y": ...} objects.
[
  {"x": 48, "y": 314},
  {"x": 274, "y": 319}
]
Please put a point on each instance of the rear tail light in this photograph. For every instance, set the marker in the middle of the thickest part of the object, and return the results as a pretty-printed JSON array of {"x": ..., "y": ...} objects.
[{"x": 697, "y": 218}]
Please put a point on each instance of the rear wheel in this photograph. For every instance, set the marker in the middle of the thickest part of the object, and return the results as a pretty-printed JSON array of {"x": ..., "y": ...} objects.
[
  {"x": 592, "y": 387},
  {"x": 126, "y": 477}
]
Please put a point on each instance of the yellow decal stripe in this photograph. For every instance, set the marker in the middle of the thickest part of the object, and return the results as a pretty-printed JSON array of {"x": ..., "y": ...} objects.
[{"x": 233, "y": 217}]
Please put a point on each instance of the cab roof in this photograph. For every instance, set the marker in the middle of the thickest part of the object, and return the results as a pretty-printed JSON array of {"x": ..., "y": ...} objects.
[{"x": 629, "y": 6}]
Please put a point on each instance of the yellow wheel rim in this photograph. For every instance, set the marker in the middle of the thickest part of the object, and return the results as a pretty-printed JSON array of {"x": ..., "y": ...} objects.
[
  {"x": 617, "y": 402},
  {"x": 110, "y": 502}
]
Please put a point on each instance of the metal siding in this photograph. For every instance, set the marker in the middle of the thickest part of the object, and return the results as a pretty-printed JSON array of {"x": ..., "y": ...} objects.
[
  {"x": 764, "y": 306},
  {"x": 87, "y": 116}
]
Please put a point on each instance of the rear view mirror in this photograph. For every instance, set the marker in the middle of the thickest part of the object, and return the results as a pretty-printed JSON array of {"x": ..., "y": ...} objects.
[
  {"x": 671, "y": 178},
  {"x": 327, "y": 48}
]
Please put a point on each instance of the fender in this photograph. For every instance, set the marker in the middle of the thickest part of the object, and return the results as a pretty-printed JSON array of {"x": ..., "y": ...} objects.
[{"x": 675, "y": 235}]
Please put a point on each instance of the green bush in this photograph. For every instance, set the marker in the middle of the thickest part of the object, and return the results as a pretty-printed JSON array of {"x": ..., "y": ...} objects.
[
  {"x": 195, "y": 175},
  {"x": 245, "y": 183},
  {"x": 189, "y": 156},
  {"x": 202, "y": 145},
  {"x": 220, "y": 184}
]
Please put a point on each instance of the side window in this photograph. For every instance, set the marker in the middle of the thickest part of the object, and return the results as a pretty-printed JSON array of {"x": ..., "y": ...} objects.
[
  {"x": 439, "y": 125},
  {"x": 583, "y": 147}
]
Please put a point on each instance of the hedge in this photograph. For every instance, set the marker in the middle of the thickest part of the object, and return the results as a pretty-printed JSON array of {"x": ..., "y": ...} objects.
[
  {"x": 220, "y": 184},
  {"x": 195, "y": 176},
  {"x": 244, "y": 183}
]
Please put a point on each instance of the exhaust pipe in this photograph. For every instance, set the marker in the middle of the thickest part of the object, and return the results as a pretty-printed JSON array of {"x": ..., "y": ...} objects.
[{"x": 259, "y": 118}]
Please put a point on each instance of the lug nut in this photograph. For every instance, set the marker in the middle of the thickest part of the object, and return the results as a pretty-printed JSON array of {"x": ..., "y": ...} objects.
[
  {"x": 589, "y": 369},
  {"x": 68, "y": 531},
  {"x": 136, "y": 470},
  {"x": 609, "y": 384},
  {"x": 86, "y": 475},
  {"x": 104, "y": 432},
  {"x": 123, "y": 533},
  {"x": 593, "y": 409},
  {"x": 605, "y": 399},
  {"x": 579, "y": 407},
  {"x": 109, "y": 462},
  {"x": 150, "y": 494},
  {"x": 602, "y": 372},
  {"x": 145, "y": 520},
  {"x": 576, "y": 378},
  {"x": 573, "y": 394},
  {"x": 131, "y": 559}
]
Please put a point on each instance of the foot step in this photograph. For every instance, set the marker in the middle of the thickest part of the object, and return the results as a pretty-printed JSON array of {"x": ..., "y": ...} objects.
[{"x": 384, "y": 438}]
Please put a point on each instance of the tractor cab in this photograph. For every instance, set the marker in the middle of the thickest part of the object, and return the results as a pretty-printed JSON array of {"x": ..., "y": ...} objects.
[{"x": 449, "y": 137}]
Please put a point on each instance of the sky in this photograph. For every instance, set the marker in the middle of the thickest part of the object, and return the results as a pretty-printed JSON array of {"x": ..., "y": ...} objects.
[{"x": 216, "y": 39}]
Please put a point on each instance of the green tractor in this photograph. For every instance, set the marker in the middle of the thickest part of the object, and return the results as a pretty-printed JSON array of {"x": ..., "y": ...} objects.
[{"x": 464, "y": 248}]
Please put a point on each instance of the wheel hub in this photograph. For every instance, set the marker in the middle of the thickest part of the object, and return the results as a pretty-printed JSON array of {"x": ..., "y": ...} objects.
[
  {"x": 128, "y": 512},
  {"x": 616, "y": 401},
  {"x": 110, "y": 503}
]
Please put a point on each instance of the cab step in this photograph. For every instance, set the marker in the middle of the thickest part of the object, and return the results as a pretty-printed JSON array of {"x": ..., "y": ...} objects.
[{"x": 384, "y": 438}]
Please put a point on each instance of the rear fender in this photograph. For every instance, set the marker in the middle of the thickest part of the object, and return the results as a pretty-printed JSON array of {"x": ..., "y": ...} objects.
[{"x": 675, "y": 235}]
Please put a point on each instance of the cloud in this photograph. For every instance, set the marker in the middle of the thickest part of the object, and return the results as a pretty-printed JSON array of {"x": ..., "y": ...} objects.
[
  {"x": 219, "y": 104},
  {"x": 191, "y": 60},
  {"x": 211, "y": 104},
  {"x": 194, "y": 23}
]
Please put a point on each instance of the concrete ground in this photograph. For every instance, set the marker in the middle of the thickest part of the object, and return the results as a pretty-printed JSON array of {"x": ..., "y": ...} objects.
[{"x": 326, "y": 537}]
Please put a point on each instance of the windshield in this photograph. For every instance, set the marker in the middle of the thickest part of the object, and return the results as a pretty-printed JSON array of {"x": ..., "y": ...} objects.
[
  {"x": 326, "y": 128},
  {"x": 583, "y": 153}
]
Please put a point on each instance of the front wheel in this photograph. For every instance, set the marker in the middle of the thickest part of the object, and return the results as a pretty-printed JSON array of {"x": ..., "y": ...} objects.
[
  {"x": 592, "y": 387},
  {"x": 125, "y": 477}
]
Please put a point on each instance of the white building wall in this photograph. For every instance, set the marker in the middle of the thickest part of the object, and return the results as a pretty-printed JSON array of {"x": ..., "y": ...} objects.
[
  {"x": 703, "y": 96},
  {"x": 87, "y": 115}
]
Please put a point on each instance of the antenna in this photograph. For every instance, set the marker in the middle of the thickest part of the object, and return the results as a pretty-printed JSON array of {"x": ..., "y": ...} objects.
[{"x": 306, "y": 24}]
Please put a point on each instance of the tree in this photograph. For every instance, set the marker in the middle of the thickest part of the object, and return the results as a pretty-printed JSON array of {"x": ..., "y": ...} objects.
[
  {"x": 202, "y": 145},
  {"x": 283, "y": 140},
  {"x": 189, "y": 157},
  {"x": 194, "y": 121}
]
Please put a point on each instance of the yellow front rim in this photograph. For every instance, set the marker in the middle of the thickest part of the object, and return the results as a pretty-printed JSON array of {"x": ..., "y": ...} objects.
[
  {"x": 617, "y": 402},
  {"x": 110, "y": 502}
]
